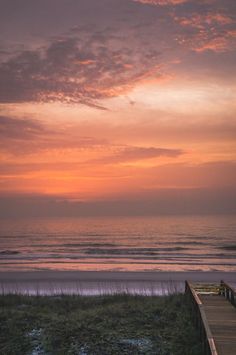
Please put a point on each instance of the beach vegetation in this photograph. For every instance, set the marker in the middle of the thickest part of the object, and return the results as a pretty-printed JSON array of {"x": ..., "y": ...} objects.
[{"x": 97, "y": 325}]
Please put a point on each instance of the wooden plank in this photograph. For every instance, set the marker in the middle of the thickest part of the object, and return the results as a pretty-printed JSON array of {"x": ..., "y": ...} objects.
[{"x": 221, "y": 318}]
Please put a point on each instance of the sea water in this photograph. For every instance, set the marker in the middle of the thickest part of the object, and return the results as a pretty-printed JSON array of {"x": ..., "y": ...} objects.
[{"x": 164, "y": 243}]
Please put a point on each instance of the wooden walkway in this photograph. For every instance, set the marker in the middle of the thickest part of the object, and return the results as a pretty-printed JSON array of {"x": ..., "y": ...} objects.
[
  {"x": 221, "y": 318},
  {"x": 214, "y": 307}
]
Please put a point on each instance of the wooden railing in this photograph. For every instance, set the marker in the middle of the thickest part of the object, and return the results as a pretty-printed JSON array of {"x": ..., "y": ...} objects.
[
  {"x": 228, "y": 292},
  {"x": 201, "y": 321}
]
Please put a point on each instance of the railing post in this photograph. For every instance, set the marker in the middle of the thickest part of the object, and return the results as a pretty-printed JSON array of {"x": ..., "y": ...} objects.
[
  {"x": 228, "y": 292},
  {"x": 221, "y": 290}
]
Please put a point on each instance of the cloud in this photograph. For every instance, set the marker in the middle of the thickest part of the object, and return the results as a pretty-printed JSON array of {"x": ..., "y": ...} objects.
[
  {"x": 124, "y": 155},
  {"x": 162, "y": 2},
  {"x": 212, "y": 31},
  {"x": 211, "y": 174},
  {"x": 23, "y": 136},
  {"x": 20, "y": 136},
  {"x": 202, "y": 20},
  {"x": 132, "y": 154},
  {"x": 157, "y": 202},
  {"x": 108, "y": 56},
  {"x": 19, "y": 129},
  {"x": 85, "y": 68},
  {"x": 198, "y": 26},
  {"x": 218, "y": 44}
]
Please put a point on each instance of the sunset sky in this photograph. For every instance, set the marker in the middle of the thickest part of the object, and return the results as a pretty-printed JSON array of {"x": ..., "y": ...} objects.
[{"x": 117, "y": 106}]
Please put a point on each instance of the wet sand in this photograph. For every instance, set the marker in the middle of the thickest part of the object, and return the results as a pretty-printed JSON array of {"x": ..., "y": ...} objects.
[{"x": 205, "y": 276}]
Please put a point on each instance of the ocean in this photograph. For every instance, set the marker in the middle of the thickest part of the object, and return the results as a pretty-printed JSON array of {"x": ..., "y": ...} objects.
[{"x": 165, "y": 243}]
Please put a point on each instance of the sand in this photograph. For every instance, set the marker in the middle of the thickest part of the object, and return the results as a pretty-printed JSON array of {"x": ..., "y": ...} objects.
[{"x": 104, "y": 282}]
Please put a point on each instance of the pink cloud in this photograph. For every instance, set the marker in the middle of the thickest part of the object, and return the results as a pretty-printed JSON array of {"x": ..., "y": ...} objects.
[
  {"x": 211, "y": 31},
  {"x": 219, "y": 44},
  {"x": 215, "y": 42},
  {"x": 201, "y": 21},
  {"x": 162, "y": 2}
]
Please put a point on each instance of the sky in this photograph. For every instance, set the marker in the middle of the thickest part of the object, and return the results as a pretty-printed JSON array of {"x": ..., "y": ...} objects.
[{"x": 117, "y": 107}]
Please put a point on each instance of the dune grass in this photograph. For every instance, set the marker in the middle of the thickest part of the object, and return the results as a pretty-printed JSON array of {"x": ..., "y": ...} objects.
[{"x": 119, "y": 324}]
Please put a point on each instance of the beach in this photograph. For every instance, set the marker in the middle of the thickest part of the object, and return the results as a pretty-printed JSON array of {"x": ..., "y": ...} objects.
[
  {"x": 117, "y": 255},
  {"x": 101, "y": 282},
  {"x": 108, "y": 276}
]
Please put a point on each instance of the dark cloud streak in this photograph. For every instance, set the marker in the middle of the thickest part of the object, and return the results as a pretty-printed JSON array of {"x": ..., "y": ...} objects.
[
  {"x": 22, "y": 136},
  {"x": 132, "y": 154},
  {"x": 19, "y": 129},
  {"x": 159, "y": 202}
]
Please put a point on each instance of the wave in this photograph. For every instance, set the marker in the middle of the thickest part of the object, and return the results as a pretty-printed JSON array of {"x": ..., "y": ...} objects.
[
  {"x": 9, "y": 252},
  {"x": 228, "y": 247},
  {"x": 129, "y": 251}
]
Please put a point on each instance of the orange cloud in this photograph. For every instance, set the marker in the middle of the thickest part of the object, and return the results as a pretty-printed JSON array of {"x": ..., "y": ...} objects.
[
  {"x": 109, "y": 182},
  {"x": 67, "y": 163}
]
